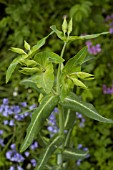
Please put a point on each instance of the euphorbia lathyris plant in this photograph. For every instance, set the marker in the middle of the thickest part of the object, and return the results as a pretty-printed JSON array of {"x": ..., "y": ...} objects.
[{"x": 56, "y": 91}]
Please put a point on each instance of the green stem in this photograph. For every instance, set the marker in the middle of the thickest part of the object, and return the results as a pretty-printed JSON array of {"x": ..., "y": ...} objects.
[
  {"x": 61, "y": 111},
  {"x": 60, "y": 69}
]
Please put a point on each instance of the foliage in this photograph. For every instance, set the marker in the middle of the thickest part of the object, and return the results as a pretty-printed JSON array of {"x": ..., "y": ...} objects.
[{"x": 55, "y": 93}]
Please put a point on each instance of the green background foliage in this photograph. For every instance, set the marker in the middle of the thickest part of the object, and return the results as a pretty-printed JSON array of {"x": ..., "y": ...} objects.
[{"x": 31, "y": 20}]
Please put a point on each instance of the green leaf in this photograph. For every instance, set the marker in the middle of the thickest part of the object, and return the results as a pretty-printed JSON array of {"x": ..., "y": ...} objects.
[
  {"x": 13, "y": 65},
  {"x": 28, "y": 63},
  {"x": 32, "y": 84},
  {"x": 26, "y": 45},
  {"x": 93, "y": 35},
  {"x": 84, "y": 76},
  {"x": 50, "y": 56},
  {"x": 38, "y": 117},
  {"x": 45, "y": 79},
  {"x": 58, "y": 33},
  {"x": 74, "y": 153},
  {"x": 39, "y": 44},
  {"x": 73, "y": 63},
  {"x": 17, "y": 50},
  {"x": 30, "y": 71},
  {"x": 78, "y": 82},
  {"x": 70, "y": 118},
  {"x": 54, "y": 143},
  {"x": 66, "y": 86},
  {"x": 76, "y": 104},
  {"x": 73, "y": 38},
  {"x": 88, "y": 58}
]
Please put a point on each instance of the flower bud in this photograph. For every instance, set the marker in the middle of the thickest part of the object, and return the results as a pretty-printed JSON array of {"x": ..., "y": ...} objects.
[
  {"x": 64, "y": 25},
  {"x": 70, "y": 27}
]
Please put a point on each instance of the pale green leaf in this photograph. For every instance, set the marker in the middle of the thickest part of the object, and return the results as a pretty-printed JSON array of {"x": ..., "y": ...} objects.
[
  {"x": 74, "y": 153},
  {"x": 30, "y": 71},
  {"x": 76, "y": 104},
  {"x": 83, "y": 75},
  {"x": 38, "y": 117},
  {"x": 74, "y": 62},
  {"x": 28, "y": 63},
  {"x": 17, "y": 50},
  {"x": 50, "y": 56},
  {"x": 78, "y": 82},
  {"x": 54, "y": 143},
  {"x": 58, "y": 33},
  {"x": 12, "y": 66},
  {"x": 92, "y": 35}
]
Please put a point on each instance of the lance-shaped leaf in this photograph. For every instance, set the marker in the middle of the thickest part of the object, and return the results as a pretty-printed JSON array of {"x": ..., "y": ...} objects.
[
  {"x": 93, "y": 35},
  {"x": 84, "y": 75},
  {"x": 39, "y": 44},
  {"x": 38, "y": 117},
  {"x": 72, "y": 63},
  {"x": 30, "y": 71},
  {"x": 17, "y": 50},
  {"x": 73, "y": 38},
  {"x": 48, "y": 151},
  {"x": 78, "y": 82},
  {"x": 88, "y": 58},
  {"x": 70, "y": 118},
  {"x": 58, "y": 33},
  {"x": 26, "y": 45},
  {"x": 75, "y": 103},
  {"x": 50, "y": 56},
  {"x": 30, "y": 83},
  {"x": 28, "y": 63},
  {"x": 74, "y": 153},
  {"x": 13, "y": 65}
]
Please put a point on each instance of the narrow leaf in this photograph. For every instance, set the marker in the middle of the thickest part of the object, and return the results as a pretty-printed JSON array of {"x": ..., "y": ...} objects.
[
  {"x": 75, "y": 103},
  {"x": 39, "y": 44},
  {"x": 74, "y": 153},
  {"x": 38, "y": 117},
  {"x": 72, "y": 63},
  {"x": 17, "y": 50},
  {"x": 78, "y": 82},
  {"x": 30, "y": 71},
  {"x": 92, "y": 35},
  {"x": 58, "y": 33},
  {"x": 48, "y": 151},
  {"x": 12, "y": 66}
]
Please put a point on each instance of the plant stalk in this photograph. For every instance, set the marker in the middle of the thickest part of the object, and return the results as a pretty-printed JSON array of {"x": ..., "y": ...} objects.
[{"x": 61, "y": 112}]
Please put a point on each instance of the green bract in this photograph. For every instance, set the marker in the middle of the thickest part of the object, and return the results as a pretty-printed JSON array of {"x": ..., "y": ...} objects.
[{"x": 55, "y": 82}]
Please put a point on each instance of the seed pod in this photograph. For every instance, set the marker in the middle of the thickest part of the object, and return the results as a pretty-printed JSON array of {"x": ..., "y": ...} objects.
[
  {"x": 64, "y": 25},
  {"x": 70, "y": 27}
]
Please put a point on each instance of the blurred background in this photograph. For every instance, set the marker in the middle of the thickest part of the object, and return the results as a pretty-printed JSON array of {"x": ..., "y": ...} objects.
[{"x": 30, "y": 20}]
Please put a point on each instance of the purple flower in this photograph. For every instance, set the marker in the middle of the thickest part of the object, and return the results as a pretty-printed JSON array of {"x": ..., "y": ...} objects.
[
  {"x": 12, "y": 168},
  {"x": 13, "y": 146},
  {"x": 26, "y": 153},
  {"x": 5, "y": 122},
  {"x": 1, "y": 142},
  {"x": 5, "y": 101},
  {"x": 1, "y": 132},
  {"x": 34, "y": 145},
  {"x": 32, "y": 106},
  {"x": 19, "y": 168},
  {"x": 11, "y": 122},
  {"x": 33, "y": 162},
  {"x": 23, "y": 104},
  {"x": 79, "y": 162},
  {"x": 111, "y": 30},
  {"x": 79, "y": 146}
]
